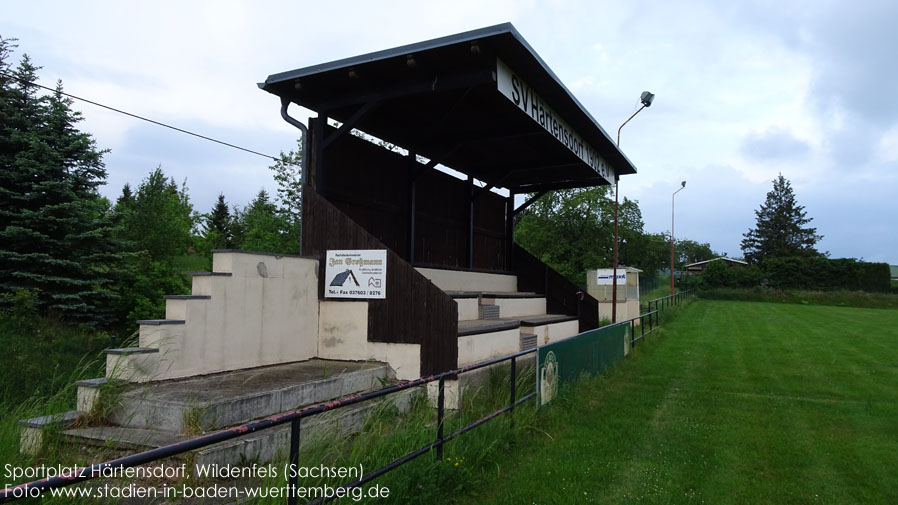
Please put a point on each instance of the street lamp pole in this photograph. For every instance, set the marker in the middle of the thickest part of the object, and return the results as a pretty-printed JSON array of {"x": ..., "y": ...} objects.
[
  {"x": 646, "y": 99},
  {"x": 682, "y": 185}
]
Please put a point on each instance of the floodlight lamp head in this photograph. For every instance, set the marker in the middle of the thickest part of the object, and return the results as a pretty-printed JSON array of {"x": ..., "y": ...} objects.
[
  {"x": 683, "y": 184},
  {"x": 646, "y": 98}
]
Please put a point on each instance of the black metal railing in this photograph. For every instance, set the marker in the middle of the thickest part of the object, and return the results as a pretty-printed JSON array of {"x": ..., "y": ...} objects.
[
  {"x": 652, "y": 326},
  {"x": 659, "y": 305},
  {"x": 36, "y": 488}
]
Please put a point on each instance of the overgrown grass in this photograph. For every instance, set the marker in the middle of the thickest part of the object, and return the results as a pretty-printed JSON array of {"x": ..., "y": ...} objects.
[
  {"x": 860, "y": 299},
  {"x": 731, "y": 402},
  {"x": 42, "y": 357},
  {"x": 661, "y": 291},
  {"x": 473, "y": 458}
]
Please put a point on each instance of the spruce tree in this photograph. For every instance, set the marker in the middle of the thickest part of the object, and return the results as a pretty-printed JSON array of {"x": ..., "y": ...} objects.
[
  {"x": 218, "y": 225},
  {"x": 781, "y": 229},
  {"x": 55, "y": 229}
]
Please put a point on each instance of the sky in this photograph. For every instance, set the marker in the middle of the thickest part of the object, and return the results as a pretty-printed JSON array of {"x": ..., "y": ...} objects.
[{"x": 744, "y": 91}]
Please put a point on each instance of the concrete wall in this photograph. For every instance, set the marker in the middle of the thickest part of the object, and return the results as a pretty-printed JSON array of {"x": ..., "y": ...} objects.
[
  {"x": 625, "y": 291},
  {"x": 518, "y": 307},
  {"x": 460, "y": 280},
  {"x": 548, "y": 333},
  {"x": 343, "y": 334},
  {"x": 264, "y": 313},
  {"x": 468, "y": 309},
  {"x": 625, "y": 310},
  {"x": 483, "y": 346}
]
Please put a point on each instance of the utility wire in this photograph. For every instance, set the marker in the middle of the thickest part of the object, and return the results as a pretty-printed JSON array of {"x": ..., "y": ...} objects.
[{"x": 140, "y": 117}]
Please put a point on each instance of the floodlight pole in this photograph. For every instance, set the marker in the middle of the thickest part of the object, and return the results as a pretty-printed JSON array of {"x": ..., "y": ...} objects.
[
  {"x": 646, "y": 99},
  {"x": 682, "y": 185}
]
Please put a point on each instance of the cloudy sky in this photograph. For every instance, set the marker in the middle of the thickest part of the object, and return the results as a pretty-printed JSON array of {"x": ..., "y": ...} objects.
[{"x": 745, "y": 90}]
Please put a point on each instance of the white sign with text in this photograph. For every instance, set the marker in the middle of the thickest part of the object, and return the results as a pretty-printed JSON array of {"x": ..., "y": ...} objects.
[
  {"x": 356, "y": 274},
  {"x": 522, "y": 95},
  {"x": 605, "y": 276}
]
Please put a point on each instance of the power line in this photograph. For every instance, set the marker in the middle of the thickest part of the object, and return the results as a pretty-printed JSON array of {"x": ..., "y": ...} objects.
[{"x": 136, "y": 116}]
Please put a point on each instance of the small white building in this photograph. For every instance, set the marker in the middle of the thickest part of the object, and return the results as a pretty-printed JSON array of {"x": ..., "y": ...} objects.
[{"x": 599, "y": 285}]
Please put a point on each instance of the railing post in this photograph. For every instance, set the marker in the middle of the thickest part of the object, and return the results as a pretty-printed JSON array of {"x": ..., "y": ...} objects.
[
  {"x": 294, "y": 461},
  {"x": 441, "y": 398},
  {"x": 514, "y": 384}
]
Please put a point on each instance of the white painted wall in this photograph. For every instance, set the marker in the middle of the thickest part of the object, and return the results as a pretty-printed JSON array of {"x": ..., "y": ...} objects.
[
  {"x": 265, "y": 313},
  {"x": 518, "y": 307},
  {"x": 482, "y": 346},
  {"x": 548, "y": 333},
  {"x": 343, "y": 334},
  {"x": 468, "y": 309},
  {"x": 460, "y": 280}
]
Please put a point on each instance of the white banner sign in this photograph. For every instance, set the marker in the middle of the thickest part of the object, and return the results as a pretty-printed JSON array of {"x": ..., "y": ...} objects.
[
  {"x": 356, "y": 274},
  {"x": 605, "y": 276},
  {"x": 522, "y": 95}
]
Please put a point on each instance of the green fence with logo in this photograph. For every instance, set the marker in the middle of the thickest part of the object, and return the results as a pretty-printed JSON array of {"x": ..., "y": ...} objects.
[{"x": 589, "y": 352}]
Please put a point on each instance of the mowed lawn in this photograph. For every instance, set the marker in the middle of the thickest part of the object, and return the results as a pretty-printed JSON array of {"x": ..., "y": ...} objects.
[{"x": 735, "y": 402}]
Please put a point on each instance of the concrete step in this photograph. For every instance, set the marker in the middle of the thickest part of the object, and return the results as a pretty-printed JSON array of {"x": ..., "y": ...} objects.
[
  {"x": 226, "y": 399},
  {"x": 132, "y": 363},
  {"x": 204, "y": 282},
  {"x": 551, "y": 327},
  {"x": 31, "y": 438},
  {"x": 483, "y": 339},
  {"x": 471, "y": 304},
  {"x": 515, "y": 305},
  {"x": 263, "y": 446},
  {"x": 176, "y": 305}
]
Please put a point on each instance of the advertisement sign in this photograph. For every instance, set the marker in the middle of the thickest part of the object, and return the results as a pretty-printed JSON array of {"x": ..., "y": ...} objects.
[
  {"x": 605, "y": 276},
  {"x": 589, "y": 352},
  {"x": 356, "y": 274},
  {"x": 515, "y": 89}
]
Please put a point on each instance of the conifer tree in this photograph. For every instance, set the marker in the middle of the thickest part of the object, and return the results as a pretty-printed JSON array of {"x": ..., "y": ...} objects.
[
  {"x": 218, "y": 225},
  {"x": 55, "y": 229},
  {"x": 781, "y": 229}
]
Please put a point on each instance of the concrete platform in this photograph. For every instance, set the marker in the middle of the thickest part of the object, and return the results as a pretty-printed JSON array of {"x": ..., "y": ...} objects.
[
  {"x": 226, "y": 399},
  {"x": 263, "y": 446}
]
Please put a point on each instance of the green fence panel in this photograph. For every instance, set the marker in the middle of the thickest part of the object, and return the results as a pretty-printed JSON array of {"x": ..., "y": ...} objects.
[{"x": 589, "y": 352}]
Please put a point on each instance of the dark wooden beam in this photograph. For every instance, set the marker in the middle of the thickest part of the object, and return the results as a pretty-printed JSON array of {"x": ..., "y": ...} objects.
[{"x": 350, "y": 123}]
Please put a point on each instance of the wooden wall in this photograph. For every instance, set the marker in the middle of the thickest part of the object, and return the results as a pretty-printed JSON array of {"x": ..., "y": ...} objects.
[
  {"x": 372, "y": 186},
  {"x": 415, "y": 310},
  {"x": 561, "y": 294}
]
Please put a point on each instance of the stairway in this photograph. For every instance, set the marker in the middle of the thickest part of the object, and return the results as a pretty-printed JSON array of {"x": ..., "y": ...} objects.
[
  {"x": 162, "y": 413},
  {"x": 253, "y": 309},
  {"x": 493, "y": 324}
]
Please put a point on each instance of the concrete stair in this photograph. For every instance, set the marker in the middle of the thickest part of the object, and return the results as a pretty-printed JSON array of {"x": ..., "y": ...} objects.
[
  {"x": 247, "y": 312},
  {"x": 496, "y": 323},
  {"x": 147, "y": 416}
]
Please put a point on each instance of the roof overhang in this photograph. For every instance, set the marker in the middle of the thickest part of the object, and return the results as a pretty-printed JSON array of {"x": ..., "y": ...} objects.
[{"x": 480, "y": 102}]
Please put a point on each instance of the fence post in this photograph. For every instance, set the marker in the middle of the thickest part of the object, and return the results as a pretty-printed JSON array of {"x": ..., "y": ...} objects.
[
  {"x": 514, "y": 383},
  {"x": 294, "y": 461},
  {"x": 441, "y": 397}
]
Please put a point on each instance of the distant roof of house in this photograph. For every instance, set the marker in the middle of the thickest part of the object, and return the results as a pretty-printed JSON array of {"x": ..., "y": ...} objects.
[{"x": 728, "y": 260}]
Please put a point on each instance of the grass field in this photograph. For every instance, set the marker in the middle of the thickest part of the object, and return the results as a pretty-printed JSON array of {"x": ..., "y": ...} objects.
[{"x": 734, "y": 402}]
